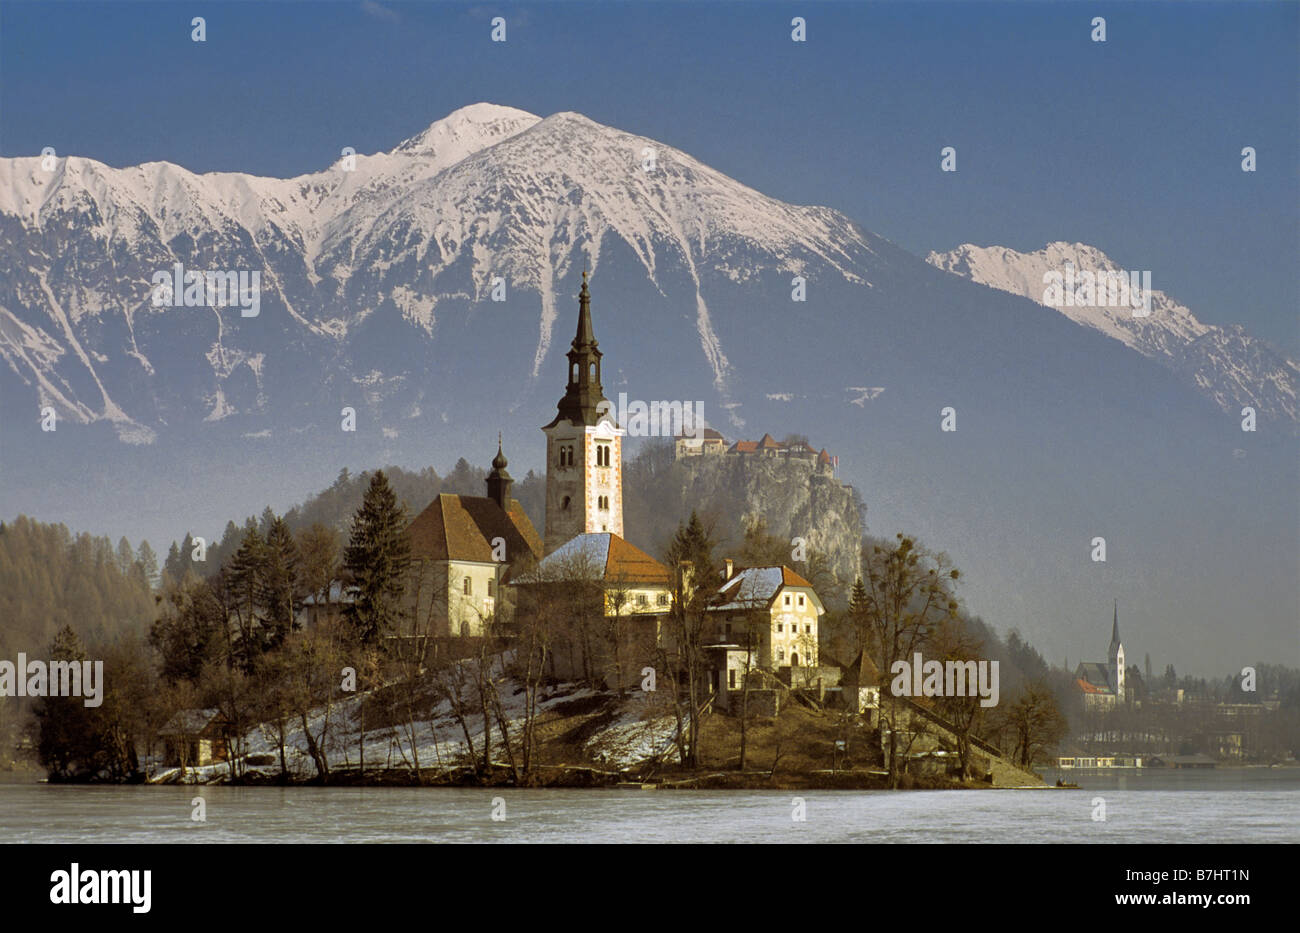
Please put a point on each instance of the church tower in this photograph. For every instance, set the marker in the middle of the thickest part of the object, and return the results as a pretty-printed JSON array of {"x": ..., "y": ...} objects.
[
  {"x": 1116, "y": 658},
  {"x": 584, "y": 447},
  {"x": 499, "y": 481}
]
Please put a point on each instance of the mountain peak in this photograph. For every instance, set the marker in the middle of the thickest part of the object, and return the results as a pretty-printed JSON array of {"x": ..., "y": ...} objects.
[{"x": 467, "y": 130}]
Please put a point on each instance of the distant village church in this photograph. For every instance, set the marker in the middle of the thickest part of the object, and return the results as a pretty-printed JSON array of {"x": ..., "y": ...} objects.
[
  {"x": 584, "y": 447},
  {"x": 1102, "y": 683}
]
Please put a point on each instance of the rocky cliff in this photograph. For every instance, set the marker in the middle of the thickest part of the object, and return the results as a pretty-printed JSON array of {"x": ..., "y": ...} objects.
[{"x": 790, "y": 496}]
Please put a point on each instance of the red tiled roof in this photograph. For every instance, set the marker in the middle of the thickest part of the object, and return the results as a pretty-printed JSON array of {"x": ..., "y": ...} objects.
[
  {"x": 462, "y": 528},
  {"x": 790, "y": 578},
  {"x": 605, "y": 553},
  {"x": 628, "y": 562},
  {"x": 768, "y": 442},
  {"x": 752, "y": 587},
  {"x": 745, "y": 447}
]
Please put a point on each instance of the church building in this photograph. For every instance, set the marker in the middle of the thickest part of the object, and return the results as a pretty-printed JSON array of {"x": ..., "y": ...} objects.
[
  {"x": 1102, "y": 683},
  {"x": 463, "y": 549}
]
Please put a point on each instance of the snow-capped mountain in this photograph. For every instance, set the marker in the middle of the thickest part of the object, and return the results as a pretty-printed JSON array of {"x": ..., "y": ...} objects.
[
  {"x": 412, "y": 234},
  {"x": 1224, "y": 364}
]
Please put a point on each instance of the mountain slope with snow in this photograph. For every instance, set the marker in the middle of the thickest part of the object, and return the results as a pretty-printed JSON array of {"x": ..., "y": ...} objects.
[
  {"x": 1224, "y": 364},
  {"x": 486, "y": 192}
]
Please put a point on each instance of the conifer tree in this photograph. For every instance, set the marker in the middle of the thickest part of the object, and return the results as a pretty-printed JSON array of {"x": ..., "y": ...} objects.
[
  {"x": 148, "y": 562},
  {"x": 244, "y": 573},
  {"x": 279, "y": 586},
  {"x": 377, "y": 557}
]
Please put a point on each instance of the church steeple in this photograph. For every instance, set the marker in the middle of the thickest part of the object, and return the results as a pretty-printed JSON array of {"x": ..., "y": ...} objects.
[
  {"x": 584, "y": 447},
  {"x": 499, "y": 481},
  {"x": 583, "y": 394},
  {"x": 584, "y": 337},
  {"x": 1116, "y": 657}
]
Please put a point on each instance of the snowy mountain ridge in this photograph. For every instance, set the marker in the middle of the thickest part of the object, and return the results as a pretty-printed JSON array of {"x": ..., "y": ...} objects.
[
  {"x": 1224, "y": 364},
  {"x": 487, "y": 191}
]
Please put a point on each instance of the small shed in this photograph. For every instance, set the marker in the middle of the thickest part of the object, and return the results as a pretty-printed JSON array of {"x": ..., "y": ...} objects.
[
  {"x": 860, "y": 687},
  {"x": 195, "y": 738}
]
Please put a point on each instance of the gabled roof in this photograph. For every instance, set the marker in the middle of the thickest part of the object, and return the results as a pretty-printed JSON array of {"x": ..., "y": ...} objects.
[
  {"x": 189, "y": 721},
  {"x": 768, "y": 442},
  {"x": 1086, "y": 687},
  {"x": 607, "y": 555},
  {"x": 462, "y": 528},
  {"x": 743, "y": 447},
  {"x": 823, "y": 457},
  {"x": 862, "y": 671},
  {"x": 1094, "y": 673},
  {"x": 756, "y": 587}
]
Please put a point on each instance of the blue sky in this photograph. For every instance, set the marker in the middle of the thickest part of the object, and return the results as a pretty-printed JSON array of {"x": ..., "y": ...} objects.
[{"x": 1132, "y": 145}]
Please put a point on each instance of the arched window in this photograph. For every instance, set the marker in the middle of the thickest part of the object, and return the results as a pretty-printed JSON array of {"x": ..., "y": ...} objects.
[
  {"x": 575, "y": 373},
  {"x": 593, "y": 371},
  {"x": 564, "y": 505},
  {"x": 794, "y": 658}
]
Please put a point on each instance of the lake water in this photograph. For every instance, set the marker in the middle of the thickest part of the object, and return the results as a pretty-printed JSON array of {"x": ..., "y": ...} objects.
[{"x": 1251, "y": 805}]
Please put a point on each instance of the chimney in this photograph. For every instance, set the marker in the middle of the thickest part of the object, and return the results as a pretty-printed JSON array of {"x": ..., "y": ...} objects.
[{"x": 731, "y": 569}]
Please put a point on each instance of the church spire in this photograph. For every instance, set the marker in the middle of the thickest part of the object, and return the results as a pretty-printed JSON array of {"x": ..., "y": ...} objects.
[
  {"x": 583, "y": 395},
  {"x": 584, "y": 338},
  {"x": 1114, "y": 631}
]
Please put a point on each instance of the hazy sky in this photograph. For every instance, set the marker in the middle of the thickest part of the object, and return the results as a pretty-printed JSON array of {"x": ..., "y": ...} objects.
[{"x": 1132, "y": 145}]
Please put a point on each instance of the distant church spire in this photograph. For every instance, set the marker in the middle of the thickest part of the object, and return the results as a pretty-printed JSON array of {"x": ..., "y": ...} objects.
[{"x": 1114, "y": 632}]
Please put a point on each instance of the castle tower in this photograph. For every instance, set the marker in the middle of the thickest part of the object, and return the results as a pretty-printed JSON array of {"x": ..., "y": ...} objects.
[
  {"x": 1115, "y": 656},
  {"x": 584, "y": 447}
]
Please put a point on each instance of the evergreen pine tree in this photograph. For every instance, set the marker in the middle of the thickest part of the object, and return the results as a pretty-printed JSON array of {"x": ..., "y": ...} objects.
[
  {"x": 279, "y": 587},
  {"x": 244, "y": 572},
  {"x": 173, "y": 570},
  {"x": 377, "y": 557},
  {"x": 148, "y": 562}
]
